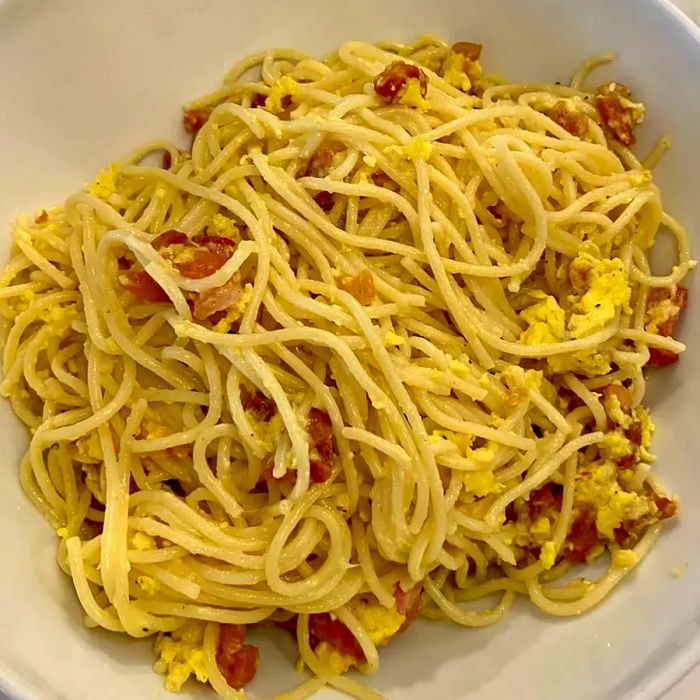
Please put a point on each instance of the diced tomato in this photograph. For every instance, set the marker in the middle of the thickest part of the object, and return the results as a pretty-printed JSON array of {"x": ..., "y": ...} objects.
[
  {"x": 324, "y": 200},
  {"x": 545, "y": 499},
  {"x": 217, "y": 301},
  {"x": 660, "y": 357},
  {"x": 168, "y": 238},
  {"x": 143, "y": 286},
  {"x": 325, "y": 629},
  {"x": 260, "y": 406},
  {"x": 204, "y": 263},
  {"x": 195, "y": 119},
  {"x": 361, "y": 286},
  {"x": 319, "y": 472},
  {"x": 407, "y": 603},
  {"x": 216, "y": 244},
  {"x": 391, "y": 83}
]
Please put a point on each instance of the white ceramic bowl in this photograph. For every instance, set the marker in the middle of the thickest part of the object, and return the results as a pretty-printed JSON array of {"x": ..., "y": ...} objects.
[{"x": 81, "y": 82}]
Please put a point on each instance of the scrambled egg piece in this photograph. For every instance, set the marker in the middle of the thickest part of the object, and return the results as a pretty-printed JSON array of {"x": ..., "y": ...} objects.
[
  {"x": 641, "y": 413},
  {"x": 481, "y": 483},
  {"x": 391, "y": 338},
  {"x": 105, "y": 183},
  {"x": 590, "y": 364},
  {"x": 147, "y": 584},
  {"x": 625, "y": 558},
  {"x": 142, "y": 542},
  {"x": 546, "y": 320},
  {"x": 284, "y": 87},
  {"x": 223, "y": 226},
  {"x": 89, "y": 447},
  {"x": 541, "y": 526},
  {"x": 412, "y": 96},
  {"x": 615, "y": 445},
  {"x": 415, "y": 149},
  {"x": 333, "y": 660},
  {"x": 453, "y": 72},
  {"x": 607, "y": 290},
  {"x": 370, "y": 161},
  {"x": 598, "y": 486},
  {"x": 380, "y": 623},
  {"x": 548, "y": 554},
  {"x": 462, "y": 441},
  {"x": 179, "y": 655}
]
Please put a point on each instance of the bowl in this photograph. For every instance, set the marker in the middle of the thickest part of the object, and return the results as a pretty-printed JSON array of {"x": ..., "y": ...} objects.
[{"x": 85, "y": 81}]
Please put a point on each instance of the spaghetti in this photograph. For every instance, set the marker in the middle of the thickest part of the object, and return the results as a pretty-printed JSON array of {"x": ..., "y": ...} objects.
[{"x": 376, "y": 344}]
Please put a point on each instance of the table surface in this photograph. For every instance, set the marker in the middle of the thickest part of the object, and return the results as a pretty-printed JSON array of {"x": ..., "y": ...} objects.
[{"x": 689, "y": 687}]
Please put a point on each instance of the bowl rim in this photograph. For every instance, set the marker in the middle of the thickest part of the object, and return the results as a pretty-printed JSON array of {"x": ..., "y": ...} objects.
[{"x": 668, "y": 674}]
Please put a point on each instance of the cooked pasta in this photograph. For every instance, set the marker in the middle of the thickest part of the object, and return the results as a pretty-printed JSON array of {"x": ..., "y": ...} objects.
[{"x": 374, "y": 345}]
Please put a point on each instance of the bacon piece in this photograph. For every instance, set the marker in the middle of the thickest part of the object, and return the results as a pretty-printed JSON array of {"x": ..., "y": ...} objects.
[
  {"x": 678, "y": 296},
  {"x": 324, "y": 629},
  {"x": 240, "y": 668},
  {"x": 204, "y": 263},
  {"x": 168, "y": 238},
  {"x": 218, "y": 300},
  {"x": 660, "y": 357},
  {"x": 325, "y": 200},
  {"x": 468, "y": 49},
  {"x": 258, "y": 100},
  {"x": 319, "y": 164},
  {"x": 124, "y": 262},
  {"x": 667, "y": 507},
  {"x": 319, "y": 472},
  {"x": 143, "y": 286},
  {"x": 544, "y": 499},
  {"x": 391, "y": 83},
  {"x": 616, "y": 111},
  {"x": 42, "y": 217},
  {"x": 583, "y": 536},
  {"x": 216, "y": 244},
  {"x": 195, "y": 119},
  {"x": 407, "y": 603},
  {"x": 320, "y": 426},
  {"x": 167, "y": 160},
  {"x": 568, "y": 118},
  {"x": 361, "y": 286},
  {"x": 260, "y": 406}
]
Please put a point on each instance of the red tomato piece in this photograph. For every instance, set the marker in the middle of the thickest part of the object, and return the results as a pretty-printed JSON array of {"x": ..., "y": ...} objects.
[
  {"x": 407, "y": 603},
  {"x": 216, "y": 244},
  {"x": 583, "y": 536},
  {"x": 546, "y": 498},
  {"x": 217, "y": 301}
]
